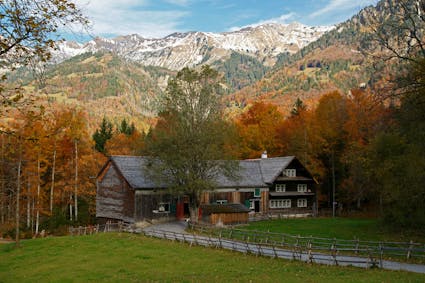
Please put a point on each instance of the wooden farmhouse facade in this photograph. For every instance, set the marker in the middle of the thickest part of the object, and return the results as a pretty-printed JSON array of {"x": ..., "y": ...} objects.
[{"x": 280, "y": 185}]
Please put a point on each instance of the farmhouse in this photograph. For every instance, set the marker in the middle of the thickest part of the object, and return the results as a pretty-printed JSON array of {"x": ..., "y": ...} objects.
[{"x": 280, "y": 185}]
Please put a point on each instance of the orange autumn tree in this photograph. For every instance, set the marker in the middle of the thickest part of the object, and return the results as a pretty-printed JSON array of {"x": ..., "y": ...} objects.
[
  {"x": 328, "y": 138},
  {"x": 365, "y": 119},
  {"x": 257, "y": 130},
  {"x": 126, "y": 141}
]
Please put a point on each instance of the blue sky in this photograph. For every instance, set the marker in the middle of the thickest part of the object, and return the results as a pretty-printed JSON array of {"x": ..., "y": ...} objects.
[{"x": 158, "y": 18}]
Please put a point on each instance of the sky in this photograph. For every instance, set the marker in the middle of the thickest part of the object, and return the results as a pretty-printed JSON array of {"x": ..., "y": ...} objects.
[{"x": 159, "y": 18}]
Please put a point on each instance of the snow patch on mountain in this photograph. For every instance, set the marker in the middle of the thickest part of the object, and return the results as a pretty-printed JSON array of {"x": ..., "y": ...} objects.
[{"x": 179, "y": 50}]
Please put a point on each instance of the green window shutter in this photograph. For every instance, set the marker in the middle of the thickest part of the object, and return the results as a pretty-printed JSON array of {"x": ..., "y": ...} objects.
[
  {"x": 247, "y": 203},
  {"x": 257, "y": 193},
  {"x": 173, "y": 208}
]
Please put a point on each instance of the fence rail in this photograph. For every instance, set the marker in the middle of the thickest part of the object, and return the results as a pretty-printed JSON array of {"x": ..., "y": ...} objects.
[
  {"x": 356, "y": 247},
  {"x": 305, "y": 255},
  {"x": 95, "y": 229},
  {"x": 302, "y": 248}
]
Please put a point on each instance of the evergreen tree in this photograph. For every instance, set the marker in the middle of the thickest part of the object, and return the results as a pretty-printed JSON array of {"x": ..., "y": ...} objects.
[
  {"x": 102, "y": 135},
  {"x": 125, "y": 128}
]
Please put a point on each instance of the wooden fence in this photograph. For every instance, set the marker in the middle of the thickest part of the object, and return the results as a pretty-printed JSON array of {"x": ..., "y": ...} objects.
[
  {"x": 306, "y": 249},
  {"x": 357, "y": 247},
  {"x": 263, "y": 249},
  {"x": 95, "y": 229}
]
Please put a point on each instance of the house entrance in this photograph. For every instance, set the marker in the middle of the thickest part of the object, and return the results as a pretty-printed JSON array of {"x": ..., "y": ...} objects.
[
  {"x": 257, "y": 205},
  {"x": 186, "y": 211}
]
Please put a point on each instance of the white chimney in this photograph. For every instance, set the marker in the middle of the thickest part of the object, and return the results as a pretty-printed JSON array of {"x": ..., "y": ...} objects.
[{"x": 264, "y": 154}]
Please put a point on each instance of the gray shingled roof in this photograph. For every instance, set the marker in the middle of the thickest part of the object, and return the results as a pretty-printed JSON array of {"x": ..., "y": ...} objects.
[{"x": 252, "y": 172}]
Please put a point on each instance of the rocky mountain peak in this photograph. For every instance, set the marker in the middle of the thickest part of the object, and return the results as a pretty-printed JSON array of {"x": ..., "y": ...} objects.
[{"x": 175, "y": 51}]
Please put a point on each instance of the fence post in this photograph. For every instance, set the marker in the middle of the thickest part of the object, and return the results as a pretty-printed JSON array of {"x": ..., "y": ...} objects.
[
  {"x": 409, "y": 251},
  {"x": 294, "y": 250},
  {"x": 357, "y": 246},
  {"x": 309, "y": 246},
  {"x": 334, "y": 251},
  {"x": 274, "y": 251},
  {"x": 381, "y": 253}
]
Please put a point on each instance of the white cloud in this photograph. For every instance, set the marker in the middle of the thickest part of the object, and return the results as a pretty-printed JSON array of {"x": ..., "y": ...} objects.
[
  {"x": 130, "y": 16},
  {"x": 179, "y": 2},
  {"x": 283, "y": 19},
  {"x": 341, "y": 6}
]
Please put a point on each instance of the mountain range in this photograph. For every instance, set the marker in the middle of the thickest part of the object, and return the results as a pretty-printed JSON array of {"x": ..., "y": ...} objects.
[
  {"x": 178, "y": 50},
  {"x": 122, "y": 77}
]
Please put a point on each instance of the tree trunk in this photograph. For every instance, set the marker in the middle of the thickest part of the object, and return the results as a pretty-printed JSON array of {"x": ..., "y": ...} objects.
[
  {"x": 28, "y": 204},
  {"x": 70, "y": 206},
  {"x": 2, "y": 176},
  {"x": 195, "y": 200},
  {"x": 194, "y": 214},
  {"x": 333, "y": 184},
  {"x": 76, "y": 182},
  {"x": 37, "y": 218},
  {"x": 52, "y": 187},
  {"x": 18, "y": 195}
]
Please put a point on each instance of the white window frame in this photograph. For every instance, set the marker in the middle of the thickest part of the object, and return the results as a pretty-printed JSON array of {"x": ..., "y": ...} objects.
[
  {"x": 291, "y": 172},
  {"x": 259, "y": 193},
  {"x": 280, "y": 203},
  {"x": 162, "y": 206},
  {"x": 251, "y": 204},
  {"x": 280, "y": 188},
  {"x": 302, "y": 202},
  {"x": 221, "y": 201},
  {"x": 302, "y": 188}
]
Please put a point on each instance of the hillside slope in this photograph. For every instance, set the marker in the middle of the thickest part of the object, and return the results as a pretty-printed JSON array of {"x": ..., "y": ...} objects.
[{"x": 336, "y": 61}]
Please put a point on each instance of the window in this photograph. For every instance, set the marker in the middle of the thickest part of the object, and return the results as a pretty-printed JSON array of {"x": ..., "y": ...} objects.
[
  {"x": 290, "y": 172},
  {"x": 221, "y": 201},
  {"x": 164, "y": 207},
  {"x": 302, "y": 188},
  {"x": 302, "y": 202},
  {"x": 280, "y": 188},
  {"x": 251, "y": 204},
  {"x": 257, "y": 193},
  {"x": 280, "y": 203}
]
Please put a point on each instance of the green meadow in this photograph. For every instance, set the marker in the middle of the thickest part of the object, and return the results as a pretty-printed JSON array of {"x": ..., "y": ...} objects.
[{"x": 122, "y": 257}]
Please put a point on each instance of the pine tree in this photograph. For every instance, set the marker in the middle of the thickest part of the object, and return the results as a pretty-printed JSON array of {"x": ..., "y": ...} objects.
[{"x": 102, "y": 135}]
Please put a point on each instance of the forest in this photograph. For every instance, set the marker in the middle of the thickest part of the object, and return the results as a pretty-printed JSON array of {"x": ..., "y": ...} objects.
[{"x": 365, "y": 149}]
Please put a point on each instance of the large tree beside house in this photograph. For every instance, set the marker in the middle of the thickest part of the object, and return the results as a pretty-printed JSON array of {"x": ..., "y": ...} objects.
[{"x": 191, "y": 137}]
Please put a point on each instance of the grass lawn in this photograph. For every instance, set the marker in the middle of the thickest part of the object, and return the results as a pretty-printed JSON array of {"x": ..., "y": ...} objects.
[
  {"x": 340, "y": 228},
  {"x": 125, "y": 257}
]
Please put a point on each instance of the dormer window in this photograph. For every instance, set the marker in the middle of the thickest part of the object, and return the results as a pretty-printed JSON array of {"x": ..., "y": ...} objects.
[
  {"x": 290, "y": 172},
  {"x": 280, "y": 188}
]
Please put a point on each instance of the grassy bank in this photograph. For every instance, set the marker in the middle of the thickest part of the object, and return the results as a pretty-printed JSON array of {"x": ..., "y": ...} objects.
[
  {"x": 127, "y": 257},
  {"x": 340, "y": 228}
]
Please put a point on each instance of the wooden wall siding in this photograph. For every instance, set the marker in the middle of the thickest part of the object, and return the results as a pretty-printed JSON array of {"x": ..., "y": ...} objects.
[
  {"x": 236, "y": 197},
  {"x": 114, "y": 199},
  {"x": 147, "y": 203},
  {"x": 228, "y": 218},
  {"x": 245, "y": 196},
  {"x": 292, "y": 210},
  {"x": 205, "y": 198},
  {"x": 264, "y": 202}
]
